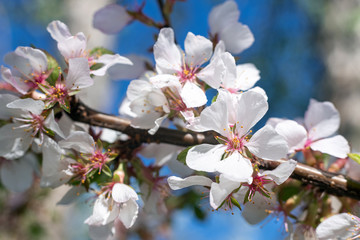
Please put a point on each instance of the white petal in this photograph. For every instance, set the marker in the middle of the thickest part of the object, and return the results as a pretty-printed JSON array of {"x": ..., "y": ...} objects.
[
  {"x": 158, "y": 123},
  {"x": 193, "y": 95},
  {"x": 120, "y": 71},
  {"x": 80, "y": 141},
  {"x": 122, "y": 193},
  {"x": 128, "y": 213},
  {"x": 222, "y": 15},
  {"x": 138, "y": 88},
  {"x": 220, "y": 191},
  {"x": 79, "y": 74},
  {"x": 205, "y": 157},
  {"x": 73, "y": 47},
  {"x": 166, "y": 53},
  {"x": 165, "y": 80},
  {"x": 5, "y": 112},
  {"x": 37, "y": 59},
  {"x": 247, "y": 75},
  {"x": 229, "y": 81},
  {"x": 111, "y": 19},
  {"x": 213, "y": 73},
  {"x": 336, "y": 146},
  {"x": 294, "y": 134},
  {"x": 14, "y": 142},
  {"x": 237, "y": 37},
  {"x": 18, "y": 83},
  {"x": 268, "y": 144},
  {"x": 109, "y": 60},
  {"x": 58, "y": 31},
  {"x": 51, "y": 123},
  {"x": 28, "y": 104},
  {"x": 340, "y": 226},
  {"x": 236, "y": 168},
  {"x": 72, "y": 195},
  {"x": 282, "y": 172},
  {"x": 54, "y": 168},
  {"x": 198, "y": 50},
  {"x": 177, "y": 183},
  {"x": 104, "y": 212},
  {"x": 17, "y": 175},
  {"x": 250, "y": 107},
  {"x": 321, "y": 119}
]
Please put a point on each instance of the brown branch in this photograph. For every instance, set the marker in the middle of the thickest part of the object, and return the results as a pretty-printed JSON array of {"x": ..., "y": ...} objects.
[{"x": 336, "y": 184}]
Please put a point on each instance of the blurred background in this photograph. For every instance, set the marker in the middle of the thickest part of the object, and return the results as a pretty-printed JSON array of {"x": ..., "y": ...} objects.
[{"x": 303, "y": 49}]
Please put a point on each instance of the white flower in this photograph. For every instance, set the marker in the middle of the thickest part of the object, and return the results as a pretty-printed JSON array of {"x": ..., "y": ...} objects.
[
  {"x": 148, "y": 105},
  {"x": 224, "y": 25},
  {"x": 320, "y": 124},
  {"x": 232, "y": 116},
  {"x": 184, "y": 69},
  {"x": 29, "y": 69},
  {"x": 28, "y": 122},
  {"x": 111, "y": 19},
  {"x": 340, "y": 226},
  {"x": 75, "y": 47},
  {"x": 119, "y": 202}
]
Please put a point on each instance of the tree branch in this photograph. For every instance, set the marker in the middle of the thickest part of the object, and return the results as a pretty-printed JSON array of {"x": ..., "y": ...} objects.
[{"x": 333, "y": 183}]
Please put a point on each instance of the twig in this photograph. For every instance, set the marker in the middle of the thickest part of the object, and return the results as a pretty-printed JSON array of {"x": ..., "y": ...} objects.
[{"x": 332, "y": 183}]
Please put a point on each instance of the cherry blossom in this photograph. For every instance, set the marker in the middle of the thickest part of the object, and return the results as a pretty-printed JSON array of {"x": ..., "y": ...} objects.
[
  {"x": 75, "y": 47},
  {"x": 224, "y": 25},
  {"x": 340, "y": 226}
]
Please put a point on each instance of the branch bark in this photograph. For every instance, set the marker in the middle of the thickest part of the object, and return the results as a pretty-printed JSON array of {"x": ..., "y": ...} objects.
[{"x": 332, "y": 183}]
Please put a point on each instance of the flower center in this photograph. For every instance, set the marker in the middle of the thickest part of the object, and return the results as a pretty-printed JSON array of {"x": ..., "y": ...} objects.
[
  {"x": 188, "y": 73},
  {"x": 258, "y": 186}
]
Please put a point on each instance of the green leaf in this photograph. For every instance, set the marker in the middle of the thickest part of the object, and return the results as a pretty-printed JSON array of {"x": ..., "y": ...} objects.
[
  {"x": 107, "y": 170},
  {"x": 214, "y": 98},
  {"x": 355, "y": 157},
  {"x": 246, "y": 198},
  {"x": 98, "y": 51},
  {"x": 182, "y": 156},
  {"x": 53, "y": 66}
]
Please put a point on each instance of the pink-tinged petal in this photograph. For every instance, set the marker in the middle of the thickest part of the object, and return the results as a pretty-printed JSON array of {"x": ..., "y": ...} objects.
[
  {"x": 220, "y": 191},
  {"x": 205, "y": 157},
  {"x": 28, "y": 105},
  {"x": 294, "y": 134},
  {"x": 165, "y": 80},
  {"x": 17, "y": 175},
  {"x": 246, "y": 76},
  {"x": 250, "y": 107},
  {"x": 111, "y": 19},
  {"x": 80, "y": 141},
  {"x": 198, "y": 50},
  {"x": 73, "y": 47},
  {"x": 342, "y": 226},
  {"x": 104, "y": 211},
  {"x": 193, "y": 95},
  {"x": 282, "y": 172},
  {"x": 120, "y": 72},
  {"x": 79, "y": 74},
  {"x": 18, "y": 83},
  {"x": 321, "y": 119},
  {"x": 110, "y": 60},
  {"x": 222, "y": 15},
  {"x": 54, "y": 169},
  {"x": 213, "y": 73},
  {"x": 177, "y": 183},
  {"x": 229, "y": 80},
  {"x": 336, "y": 146},
  {"x": 51, "y": 123},
  {"x": 255, "y": 211},
  {"x": 58, "y": 31},
  {"x": 122, "y": 193},
  {"x": 236, "y": 168},
  {"x": 128, "y": 213},
  {"x": 166, "y": 53},
  {"x": 237, "y": 37},
  {"x": 267, "y": 144},
  {"x": 5, "y": 112}
]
